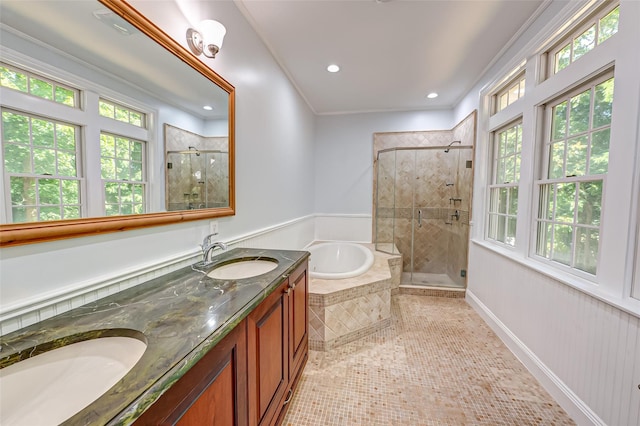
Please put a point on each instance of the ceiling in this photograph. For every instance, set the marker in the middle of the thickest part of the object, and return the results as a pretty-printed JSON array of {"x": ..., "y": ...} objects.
[{"x": 392, "y": 53}]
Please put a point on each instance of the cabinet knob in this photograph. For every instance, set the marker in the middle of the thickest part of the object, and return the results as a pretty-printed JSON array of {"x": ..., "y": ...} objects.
[
  {"x": 287, "y": 291},
  {"x": 288, "y": 397}
]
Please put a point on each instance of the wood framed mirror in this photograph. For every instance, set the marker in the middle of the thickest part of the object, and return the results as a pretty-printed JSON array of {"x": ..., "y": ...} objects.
[{"x": 174, "y": 78}]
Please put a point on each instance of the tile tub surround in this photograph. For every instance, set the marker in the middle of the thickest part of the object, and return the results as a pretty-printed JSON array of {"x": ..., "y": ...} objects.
[
  {"x": 341, "y": 311},
  {"x": 181, "y": 316},
  {"x": 438, "y": 363}
]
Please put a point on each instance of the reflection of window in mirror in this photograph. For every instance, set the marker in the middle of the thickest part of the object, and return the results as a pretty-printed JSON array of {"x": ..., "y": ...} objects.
[{"x": 63, "y": 164}]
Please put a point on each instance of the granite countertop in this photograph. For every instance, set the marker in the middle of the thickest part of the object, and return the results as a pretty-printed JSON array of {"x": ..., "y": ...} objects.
[{"x": 180, "y": 316}]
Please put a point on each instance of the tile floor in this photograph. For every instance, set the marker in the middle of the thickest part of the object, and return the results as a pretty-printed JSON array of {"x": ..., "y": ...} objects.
[{"x": 437, "y": 364}]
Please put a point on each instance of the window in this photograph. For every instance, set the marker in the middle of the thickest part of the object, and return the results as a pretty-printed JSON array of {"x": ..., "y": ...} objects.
[
  {"x": 577, "y": 159},
  {"x": 503, "y": 192},
  {"x": 122, "y": 162},
  {"x": 43, "y": 152},
  {"x": 40, "y": 160},
  {"x": 121, "y": 113},
  {"x": 511, "y": 93},
  {"x": 25, "y": 82},
  {"x": 598, "y": 29}
]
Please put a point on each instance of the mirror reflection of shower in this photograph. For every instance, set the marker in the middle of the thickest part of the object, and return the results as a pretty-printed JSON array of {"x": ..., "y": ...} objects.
[
  {"x": 197, "y": 169},
  {"x": 196, "y": 179}
]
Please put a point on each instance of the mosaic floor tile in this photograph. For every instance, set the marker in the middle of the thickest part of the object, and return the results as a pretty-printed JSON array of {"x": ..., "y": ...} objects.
[{"x": 437, "y": 363}]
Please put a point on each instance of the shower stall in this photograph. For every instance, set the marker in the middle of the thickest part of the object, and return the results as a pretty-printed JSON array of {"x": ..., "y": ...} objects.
[
  {"x": 422, "y": 211},
  {"x": 197, "y": 179}
]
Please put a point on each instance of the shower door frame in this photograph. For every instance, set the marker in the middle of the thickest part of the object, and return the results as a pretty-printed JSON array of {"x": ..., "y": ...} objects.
[{"x": 417, "y": 216}]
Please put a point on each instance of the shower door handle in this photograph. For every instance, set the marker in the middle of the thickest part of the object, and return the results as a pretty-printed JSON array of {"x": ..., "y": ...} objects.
[{"x": 419, "y": 218}]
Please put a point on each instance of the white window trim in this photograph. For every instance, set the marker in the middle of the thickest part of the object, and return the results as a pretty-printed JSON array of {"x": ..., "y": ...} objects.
[
  {"x": 79, "y": 176},
  {"x": 620, "y": 244},
  {"x": 592, "y": 17},
  {"x": 518, "y": 76},
  {"x": 90, "y": 123},
  {"x": 492, "y": 184}
]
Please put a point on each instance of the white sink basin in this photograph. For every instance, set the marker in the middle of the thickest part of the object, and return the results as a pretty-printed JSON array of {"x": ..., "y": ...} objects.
[
  {"x": 243, "y": 269},
  {"x": 49, "y": 388}
]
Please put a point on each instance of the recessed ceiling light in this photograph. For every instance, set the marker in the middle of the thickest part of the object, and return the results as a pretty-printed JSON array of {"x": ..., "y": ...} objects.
[
  {"x": 333, "y": 68},
  {"x": 114, "y": 21},
  {"x": 207, "y": 107},
  {"x": 432, "y": 95}
]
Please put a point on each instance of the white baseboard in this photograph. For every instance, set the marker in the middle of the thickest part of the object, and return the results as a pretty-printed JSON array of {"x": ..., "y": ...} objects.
[{"x": 566, "y": 398}]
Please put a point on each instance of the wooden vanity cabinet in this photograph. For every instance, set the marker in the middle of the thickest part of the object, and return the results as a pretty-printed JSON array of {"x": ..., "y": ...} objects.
[
  {"x": 298, "y": 322},
  {"x": 212, "y": 392},
  {"x": 247, "y": 378},
  {"x": 277, "y": 342}
]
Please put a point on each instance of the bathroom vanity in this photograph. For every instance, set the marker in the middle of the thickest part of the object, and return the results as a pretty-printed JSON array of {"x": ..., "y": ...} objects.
[{"x": 219, "y": 351}]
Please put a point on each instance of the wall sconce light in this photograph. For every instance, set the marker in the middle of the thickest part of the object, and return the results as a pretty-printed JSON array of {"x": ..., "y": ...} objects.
[{"x": 207, "y": 38}]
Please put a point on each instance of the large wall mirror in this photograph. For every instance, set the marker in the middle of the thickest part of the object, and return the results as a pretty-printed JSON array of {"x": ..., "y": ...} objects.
[{"x": 103, "y": 120}]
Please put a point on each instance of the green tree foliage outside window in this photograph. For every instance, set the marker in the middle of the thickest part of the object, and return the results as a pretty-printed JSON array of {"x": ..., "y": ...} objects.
[
  {"x": 601, "y": 30},
  {"x": 570, "y": 206},
  {"x": 503, "y": 202},
  {"x": 121, "y": 113},
  {"x": 122, "y": 173},
  {"x": 40, "y": 160},
  {"x": 37, "y": 86}
]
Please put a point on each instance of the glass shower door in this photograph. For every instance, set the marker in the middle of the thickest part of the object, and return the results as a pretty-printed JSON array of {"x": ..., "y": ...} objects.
[
  {"x": 435, "y": 198},
  {"x": 422, "y": 211}
]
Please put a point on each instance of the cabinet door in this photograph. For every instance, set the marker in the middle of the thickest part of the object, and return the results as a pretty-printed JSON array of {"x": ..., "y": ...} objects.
[
  {"x": 268, "y": 368},
  {"x": 298, "y": 320},
  {"x": 213, "y": 392}
]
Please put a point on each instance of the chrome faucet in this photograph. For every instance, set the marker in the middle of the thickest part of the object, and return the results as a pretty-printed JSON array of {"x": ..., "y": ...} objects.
[
  {"x": 207, "y": 241},
  {"x": 208, "y": 247}
]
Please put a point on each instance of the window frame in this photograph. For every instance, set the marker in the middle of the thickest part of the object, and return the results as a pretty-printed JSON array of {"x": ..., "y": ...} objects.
[
  {"x": 494, "y": 185},
  {"x": 577, "y": 30},
  {"x": 543, "y": 179},
  {"x": 143, "y": 182},
  {"x": 79, "y": 169},
  {"x": 115, "y": 104},
  {"x": 618, "y": 275},
  {"x": 77, "y": 93},
  {"x": 90, "y": 124},
  {"x": 505, "y": 89}
]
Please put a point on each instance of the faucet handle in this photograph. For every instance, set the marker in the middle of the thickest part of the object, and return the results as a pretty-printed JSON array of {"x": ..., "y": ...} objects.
[{"x": 207, "y": 241}]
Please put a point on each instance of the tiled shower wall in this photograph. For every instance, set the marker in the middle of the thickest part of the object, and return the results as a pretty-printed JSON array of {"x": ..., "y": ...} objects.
[
  {"x": 432, "y": 181},
  {"x": 196, "y": 181}
]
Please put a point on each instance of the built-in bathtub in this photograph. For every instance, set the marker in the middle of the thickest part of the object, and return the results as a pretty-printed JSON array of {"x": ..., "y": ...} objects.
[
  {"x": 343, "y": 309},
  {"x": 339, "y": 260}
]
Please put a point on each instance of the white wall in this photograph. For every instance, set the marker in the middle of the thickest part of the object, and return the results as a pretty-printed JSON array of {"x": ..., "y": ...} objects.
[
  {"x": 344, "y": 154},
  {"x": 580, "y": 339},
  {"x": 274, "y": 179},
  {"x": 509, "y": 58}
]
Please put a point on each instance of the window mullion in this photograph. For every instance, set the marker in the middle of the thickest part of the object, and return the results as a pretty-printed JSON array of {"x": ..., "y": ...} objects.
[{"x": 91, "y": 158}]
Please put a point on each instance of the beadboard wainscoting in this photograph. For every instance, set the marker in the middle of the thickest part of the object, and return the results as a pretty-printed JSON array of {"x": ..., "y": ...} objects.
[
  {"x": 584, "y": 351},
  {"x": 293, "y": 235}
]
